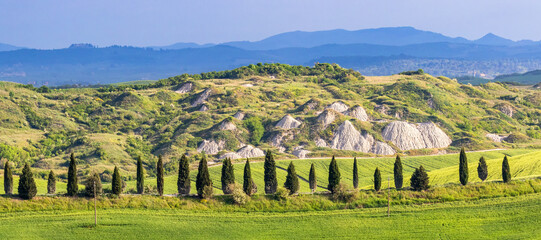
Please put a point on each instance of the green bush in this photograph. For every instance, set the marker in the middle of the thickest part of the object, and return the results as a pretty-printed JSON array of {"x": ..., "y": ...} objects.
[{"x": 343, "y": 194}]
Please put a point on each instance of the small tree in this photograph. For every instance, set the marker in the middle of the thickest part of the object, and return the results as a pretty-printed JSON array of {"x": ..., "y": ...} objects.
[
  {"x": 334, "y": 176},
  {"x": 51, "y": 183},
  {"x": 8, "y": 179},
  {"x": 419, "y": 179},
  {"x": 377, "y": 180},
  {"x": 482, "y": 169},
  {"x": 355, "y": 174},
  {"x": 312, "y": 178},
  {"x": 463, "y": 167},
  {"x": 271, "y": 183},
  {"x": 27, "y": 185},
  {"x": 228, "y": 176},
  {"x": 398, "y": 177},
  {"x": 248, "y": 184},
  {"x": 73, "y": 186},
  {"x": 93, "y": 181},
  {"x": 506, "y": 171},
  {"x": 140, "y": 176},
  {"x": 159, "y": 175},
  {"x": 203, "y": 182},
  {"x": 117, "y": 182},
  {"x": 292, "y": 180},
  {"x": 183, "y": 182}
]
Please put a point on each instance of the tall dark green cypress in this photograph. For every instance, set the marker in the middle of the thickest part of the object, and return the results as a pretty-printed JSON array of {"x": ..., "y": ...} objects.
[
  {"x": 8, "y": 179},
  {"x": 183, "y": 182},
  {"x": 140, "y": 176},
  {"x": 248, "y": 184},
  {"x": 506, "y": 171},
  {"x": 27, "y": 185},
  {"x": 203, "y": 177},
  {"x": 355, "y": 174},
  {"x": 159, "y": 175},
  {"x": 482, "y": 169},
  {"x": 117, "y": 182},
  {"x": 271, "y": 183},
  {"x": 292, "y": 180},
  {"x": 398, "y": 177},
  {"x": 312, "y": 178},
  {"x": 334, "y": 176},
  {"x": 73, "y": 186},
  {"x": 51, "y": 183},
  {"x": 228, "y": 176},
  {"x": 463, "y": 167},
  {"x": 377, "y": 180}
]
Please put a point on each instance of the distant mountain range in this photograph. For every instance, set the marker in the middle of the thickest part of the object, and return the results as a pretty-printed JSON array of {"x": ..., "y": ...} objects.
[{"x": 381, "y": 51}]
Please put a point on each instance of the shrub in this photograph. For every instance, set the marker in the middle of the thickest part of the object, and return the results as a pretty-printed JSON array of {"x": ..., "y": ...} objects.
[
  {"x": 281, "y": 194},
  {"x": 203, "y": 179},
  {"x": 239, "y": 196},
  {"x": 183, "y": 182},
  {"x": 506, "y": 172},
  {"x": 117, "y": 182},
  {"x": 463, "y": 167},
  {"x": 140, "y": 176},
  {"x": 334, "y": 175},
  {"x": 27, "y": 185},
  {"x": 8, "y": 179},
  {"x": 73, "y": 186},
  {"x": 355, "y": 174},
  {"x": 419, "y": 179},
  {"x": 343, "y": 194},
  {"x": 397, "y": 170},
  {"x": 89, "y": 186},
  {"x": 159, "y": 175},
  {"x": 51, "y": 183},
  {"x": 516, "y": 137},
  {"x": 254, "y": 125},
  {"x": 207, "y": 192},
  {"x": 312, "y": 178},
  {"x": 377, "y": 180},
  {"x": 482, "y": 169},
  {"x": 292, "y": 180},
  {"x": 228, "y": 176},
  {"x": 271, "y": 183}
]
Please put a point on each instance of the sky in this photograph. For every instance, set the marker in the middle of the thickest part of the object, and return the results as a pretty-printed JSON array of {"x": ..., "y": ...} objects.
[{"x": 59, "y": 23}]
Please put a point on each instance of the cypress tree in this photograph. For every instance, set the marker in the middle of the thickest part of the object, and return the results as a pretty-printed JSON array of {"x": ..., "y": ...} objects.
[
  {"x": 419, "y": 179},
  {"x": 27, "y": 185},
  {"x": 93, "y": 181},
  {"x": 355, "y": 174},
  {"x": 312, "y": 178},
  {"x": 398, "y": 177},
  {"x": 183, "y": 182},
  {"x": 51, "y": 183},
  {"x": 203, "y": 177},
  {"x": 463, "y": 167},
  {"x": 334, "y": 176},
  {"x": 228, "y": 176},
  {"x": 8, "y": 179},
  {"x": 73, "y": 186},
  {"x": 506, "y": 171},
  {"x": 248, "y": 184},
  {"x": 159, "y": 175},
  {"x": 140, "y": 176},
  {"x": 377, "y": 180},
  {"x": 482, "y": 169},
  {"x": 117, "y": 182},
  {"x": 292, "y": 180},
  {"x": 271, "y": 183}
]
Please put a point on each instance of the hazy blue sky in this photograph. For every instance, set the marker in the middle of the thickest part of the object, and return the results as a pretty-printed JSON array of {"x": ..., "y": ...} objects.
[{"x": 56, "y": 23}]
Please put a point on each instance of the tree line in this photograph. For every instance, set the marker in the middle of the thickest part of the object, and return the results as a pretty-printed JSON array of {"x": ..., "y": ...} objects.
[{"x": 419, "y": 180}]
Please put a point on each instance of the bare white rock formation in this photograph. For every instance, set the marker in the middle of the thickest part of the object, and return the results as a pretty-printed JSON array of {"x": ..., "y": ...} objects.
[
  {"x": 338, "y": 106},
  {"x": 407, "y": 136},
  {"x": 202, "y": 97},
  {"x": 227, "y": 125},
  {"x": 186, "y": 87},
  {"x": 230, "y": 155},
  {"x": 383, "y": 109},
  {"x": 301, "y": 153},
  {"x": 326, "y": 117},
  {"x": 250, "y": 151},
  {"x": 211, "y": 147},
  {"x": 321, "y": 143},
  {"x": 203, "y": 108},
  {"x": 506, "y": 109},
  {"x": 359, "y": 113},
  {"x": 239, "y": 115},
  {"x": 495, "y": 137},
  {"x": 288, "y": 122},
  {"x": 346, "y": 137},
  {"x": 247, "y": 85},
  {"x": 382, "y": 148}
]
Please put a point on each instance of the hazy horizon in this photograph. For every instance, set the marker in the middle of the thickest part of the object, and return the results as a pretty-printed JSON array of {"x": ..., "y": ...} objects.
[{"x": 57, "y": 24}]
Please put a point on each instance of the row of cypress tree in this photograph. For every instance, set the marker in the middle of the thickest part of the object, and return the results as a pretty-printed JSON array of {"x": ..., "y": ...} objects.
[{"x": 482, "y": 169}]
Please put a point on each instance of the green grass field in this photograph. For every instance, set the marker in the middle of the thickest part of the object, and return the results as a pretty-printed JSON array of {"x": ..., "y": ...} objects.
[
  {"x": 501, "y": 218},
  {"x": 442, "y": 169}
]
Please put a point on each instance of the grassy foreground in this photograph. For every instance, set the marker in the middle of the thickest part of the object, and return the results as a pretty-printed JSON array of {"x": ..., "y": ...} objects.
[{"x": 502, "y": 218}]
